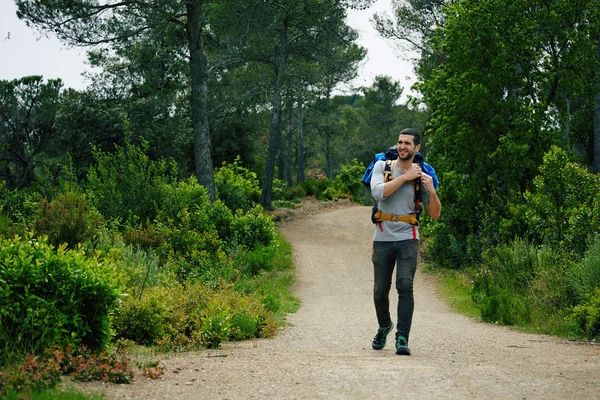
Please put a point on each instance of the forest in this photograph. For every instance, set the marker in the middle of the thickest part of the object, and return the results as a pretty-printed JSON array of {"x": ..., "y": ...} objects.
[{"x": 137, "y": 211}]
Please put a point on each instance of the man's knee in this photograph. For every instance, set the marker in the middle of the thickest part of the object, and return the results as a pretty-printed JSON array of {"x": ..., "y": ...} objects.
[{"x": 404, "y": 286}]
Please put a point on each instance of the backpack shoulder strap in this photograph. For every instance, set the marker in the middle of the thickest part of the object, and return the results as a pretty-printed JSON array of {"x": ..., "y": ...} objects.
[{"x": 387, "y": 172}]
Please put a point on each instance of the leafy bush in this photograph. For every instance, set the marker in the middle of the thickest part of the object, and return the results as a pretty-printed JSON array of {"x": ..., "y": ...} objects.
[
  {"x": 347, "y": 183},
  {"x": 237, "y": 186},
  {"x": 564, "y": 209},
  {"x": 315, "y": 187},
  {"x": 587, "y": 315},
  {"x": 127, "y": 185},
  {"x": 503, "y": 284},
  {"x": 43, "y": 370},
  {"x": 50, "y": 296},
  {"x": 253, "y": 228},
  {"x": 156, "y": 314},
  {"x": 184, "y": 317},
  {"x": 67, "y": 219},
  {"x": 584, "y": 277}
]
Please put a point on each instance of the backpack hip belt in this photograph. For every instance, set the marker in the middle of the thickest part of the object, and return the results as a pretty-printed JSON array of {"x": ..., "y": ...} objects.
[{"x": 409, "y": 219}]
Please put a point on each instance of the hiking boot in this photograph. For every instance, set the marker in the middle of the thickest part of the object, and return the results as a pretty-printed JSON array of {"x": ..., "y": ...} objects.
[
  {"x": 381, "y": 336},
  {"x": 401, "y": 345}
]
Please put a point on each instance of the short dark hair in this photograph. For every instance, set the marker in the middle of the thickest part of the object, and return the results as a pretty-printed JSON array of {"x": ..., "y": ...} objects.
[{"x": 415, "y": 134}]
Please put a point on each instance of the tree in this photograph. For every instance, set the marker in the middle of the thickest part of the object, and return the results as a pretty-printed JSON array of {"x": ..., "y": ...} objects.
[
  {"x": 280, "y": 34},
  {"x": 499, "y": 99},
  {"x": 86, "y": 23},
  {"x": 28, "y": 109}
]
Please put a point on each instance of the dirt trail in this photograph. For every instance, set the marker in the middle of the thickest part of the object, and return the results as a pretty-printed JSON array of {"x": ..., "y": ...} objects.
[{"x": 326, "y": 352}]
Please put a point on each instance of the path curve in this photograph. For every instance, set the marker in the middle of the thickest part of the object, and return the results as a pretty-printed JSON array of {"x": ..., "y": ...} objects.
[{"x": 326, "y": 352}]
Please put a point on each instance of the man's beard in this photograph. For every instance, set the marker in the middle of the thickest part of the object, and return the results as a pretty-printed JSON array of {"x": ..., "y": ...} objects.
[{"x": 408, "y": 156}]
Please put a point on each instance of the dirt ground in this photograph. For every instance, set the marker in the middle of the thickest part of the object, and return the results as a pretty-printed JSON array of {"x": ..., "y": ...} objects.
[{"x": 325, "y": 352}]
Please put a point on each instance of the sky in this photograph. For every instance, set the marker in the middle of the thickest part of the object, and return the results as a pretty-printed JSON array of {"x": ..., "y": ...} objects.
[{"x": 23, "y": 52}]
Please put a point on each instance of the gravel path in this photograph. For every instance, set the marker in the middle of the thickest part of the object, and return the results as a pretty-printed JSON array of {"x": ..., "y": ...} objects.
[{"x": 326, "y": 351}]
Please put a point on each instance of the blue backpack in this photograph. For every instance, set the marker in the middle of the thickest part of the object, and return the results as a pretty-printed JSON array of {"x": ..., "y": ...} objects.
[
  {"x": 389, "y": 155},
  {"x": 392, "y": 154}
]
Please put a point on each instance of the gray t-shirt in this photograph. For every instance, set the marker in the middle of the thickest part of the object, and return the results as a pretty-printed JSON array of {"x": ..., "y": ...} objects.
[{"x": 401, "y": 202}]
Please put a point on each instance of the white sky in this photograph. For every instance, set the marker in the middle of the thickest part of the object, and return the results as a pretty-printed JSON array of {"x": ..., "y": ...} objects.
[{"x": 24, "y": 52}]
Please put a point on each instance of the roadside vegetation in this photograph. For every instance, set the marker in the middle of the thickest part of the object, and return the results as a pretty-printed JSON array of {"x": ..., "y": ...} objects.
[{"x": 134, "y": 215}]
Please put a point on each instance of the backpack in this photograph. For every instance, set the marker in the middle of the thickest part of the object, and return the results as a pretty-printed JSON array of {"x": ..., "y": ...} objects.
[{"x": 392, "y": 154}]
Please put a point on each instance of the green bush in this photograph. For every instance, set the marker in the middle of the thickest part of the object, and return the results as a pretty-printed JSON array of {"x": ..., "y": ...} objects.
[
  {"x": 158, "y": 313},
  {"x": 237, "y": 186},
  {"x": 503, "y": 280},
  {"x": 564, "y": 209},
  {"x": 175, "y": 197},
  {"x": 127, "y": 185},
  {"x": 587, "y": 315},
  {"x": 253, "y": 228},
  {"x": 520, "y": 284},
  {"x": 584, "y": 276},
  {"x": 50, "y": 296},
  {"x": 315, "y": 187},
  {"x": 67, "y": 219},
  {"x": 347, "y": 183},
  {"x": 193, "y": 315}
]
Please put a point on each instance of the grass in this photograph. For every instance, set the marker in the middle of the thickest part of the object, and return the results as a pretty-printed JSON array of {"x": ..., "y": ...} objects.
[
  {"x": 52, "y": 394},
  {"x": 455, "y": 287}
]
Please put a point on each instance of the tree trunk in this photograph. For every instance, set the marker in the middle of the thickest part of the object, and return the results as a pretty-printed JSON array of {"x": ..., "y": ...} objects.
[
  {"x": 597, "y": 118},
  {"x": 275, "y": 131},
  {"x": 288, "y": 157},
  {"x": 288, "y": 142},
  {"x": 328, "y": 153},
  {"x": 199, "y": 84},
  {"x": 300, "y": 142}
]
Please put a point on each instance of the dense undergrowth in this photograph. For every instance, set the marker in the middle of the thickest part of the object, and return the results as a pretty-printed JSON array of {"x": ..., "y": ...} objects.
[
  {"x": 108, "y": 272},
  {"x": 94, "y": 271}
]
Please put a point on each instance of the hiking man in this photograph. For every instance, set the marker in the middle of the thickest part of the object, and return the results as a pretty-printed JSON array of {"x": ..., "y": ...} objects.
[{"x": 398, "y": 187}]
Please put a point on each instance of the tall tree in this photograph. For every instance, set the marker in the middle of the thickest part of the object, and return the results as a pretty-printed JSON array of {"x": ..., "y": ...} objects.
[
  {"x": 280, "y": 33},
  {"x": 28, "y": 108},
  {"x": 89, "y": 23},
  {"x": 497, "y": 102}
]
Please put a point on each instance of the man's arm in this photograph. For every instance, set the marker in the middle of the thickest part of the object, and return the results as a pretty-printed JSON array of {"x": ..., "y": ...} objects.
[{"x": 434, "y": 207}]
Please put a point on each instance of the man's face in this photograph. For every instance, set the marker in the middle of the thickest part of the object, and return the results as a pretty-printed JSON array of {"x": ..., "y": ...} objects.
[{"x": 406, "y": 147}]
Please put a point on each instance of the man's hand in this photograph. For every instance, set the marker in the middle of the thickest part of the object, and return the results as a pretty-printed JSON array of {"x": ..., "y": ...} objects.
[{"x": 427, "y": 180}]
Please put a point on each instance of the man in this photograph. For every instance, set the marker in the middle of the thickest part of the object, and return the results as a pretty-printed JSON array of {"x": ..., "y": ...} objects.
[{"x": 398, "y": 190}]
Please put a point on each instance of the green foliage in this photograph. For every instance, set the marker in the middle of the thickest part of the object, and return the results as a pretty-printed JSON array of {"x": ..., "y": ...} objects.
[
  {"x": 587, "y": 315},
  {"x": 43, "y": 370},
  {"x": 67, "y": 219},
  {"x": 347, "y": 184},
  {"x": 564, "y": 209},
  {"x": 253, "y": 229},
  {"x": 50, "y": 296},
  {"x": 127, "y": 185},
  {"x": 19, "y": 209},
  {"x": 236, "y": 186},
  {"x": 519, "y": 283},
  {"x": 28, "y": 108},
  {"x": 194, "y": 315},
  {"x": 584, "y": 276}
]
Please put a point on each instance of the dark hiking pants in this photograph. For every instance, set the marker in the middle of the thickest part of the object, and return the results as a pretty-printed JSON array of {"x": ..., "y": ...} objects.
[{"x": 403, "y": 256}]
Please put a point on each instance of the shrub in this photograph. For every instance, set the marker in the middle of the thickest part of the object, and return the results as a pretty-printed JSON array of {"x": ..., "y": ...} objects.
[
  {"x": 158, "y": 313},
  {"x": 184, "y": 317},
  {"x": 253, "y": 228},
  {"x": 237, "y": 186},
  {"x": 503, "y": 280},
  {"x": 584, "y": 277},
  {"x": 67, "y": 219},
  {"x": 50, "y": 296},
  {"x": 347, "y": 183},
  {"x": 127, "y": 185},
  {"x": 564, "y": 210},
  {"x": 587, "y": 315}
]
